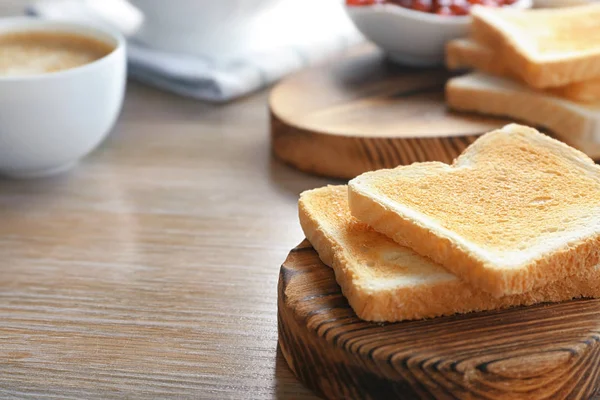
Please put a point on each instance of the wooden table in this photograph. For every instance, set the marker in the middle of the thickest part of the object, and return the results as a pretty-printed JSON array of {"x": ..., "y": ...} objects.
[{"x": 151, "y": 270}]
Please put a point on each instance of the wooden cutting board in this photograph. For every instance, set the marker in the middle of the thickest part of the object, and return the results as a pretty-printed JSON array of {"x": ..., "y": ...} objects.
[
  {"x": 362, "y": 113},
  {"x": 549, "y": 351}
]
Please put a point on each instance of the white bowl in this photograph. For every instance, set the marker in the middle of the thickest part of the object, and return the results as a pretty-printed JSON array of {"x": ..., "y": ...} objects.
[
  {"x": 559, "y": 3},
  {"x": 411, "y": 37},
  {"x": 50, "y": 121},
  {"x": 203, "y": 27}
]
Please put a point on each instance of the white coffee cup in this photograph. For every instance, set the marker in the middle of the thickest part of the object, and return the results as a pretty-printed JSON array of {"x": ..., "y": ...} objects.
[{"x": 48, "y": 122}]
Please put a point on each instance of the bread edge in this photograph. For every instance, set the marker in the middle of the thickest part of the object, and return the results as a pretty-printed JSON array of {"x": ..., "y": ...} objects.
[
  {"x": 572, "y": 123},
  {"x": 460, "y": 260},
  {"x": 461, "y": 56},
  {"x": 488, "y": 28},
  {"x": 428, "y": 301}
]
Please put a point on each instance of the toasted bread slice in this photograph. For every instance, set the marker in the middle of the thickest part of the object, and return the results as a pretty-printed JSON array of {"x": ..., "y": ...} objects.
[
  {"x": 467, "y": 53},
  {"x": 574, "y": 123},
  {"x": 545, "y": 47},
  {"x": 516, "y": 211},
  {"x": 384, "y": 281}
]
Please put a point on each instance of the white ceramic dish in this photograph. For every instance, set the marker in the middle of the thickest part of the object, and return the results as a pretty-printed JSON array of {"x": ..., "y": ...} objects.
[
  {"x": 48, "y": 122},
  {"x": 411, "y": 37},
  {"x": 202, "y": 27},
  {"x": 559, "y": 3}
]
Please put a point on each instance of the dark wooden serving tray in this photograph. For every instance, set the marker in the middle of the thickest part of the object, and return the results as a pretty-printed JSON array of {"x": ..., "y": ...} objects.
[{"x": 549, "y": 351}]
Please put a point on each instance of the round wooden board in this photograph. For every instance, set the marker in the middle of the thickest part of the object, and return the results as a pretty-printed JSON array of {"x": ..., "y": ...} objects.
[
  {"x": 362, "y": 113},
  {"x": 549, "y": 351}
]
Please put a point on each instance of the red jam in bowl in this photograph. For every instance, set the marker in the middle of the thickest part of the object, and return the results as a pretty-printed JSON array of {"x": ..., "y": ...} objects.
[{"x": 440, "y": 7}]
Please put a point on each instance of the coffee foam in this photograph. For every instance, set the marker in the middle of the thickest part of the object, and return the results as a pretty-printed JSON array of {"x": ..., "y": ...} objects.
[{"x": 33, "y": 53}]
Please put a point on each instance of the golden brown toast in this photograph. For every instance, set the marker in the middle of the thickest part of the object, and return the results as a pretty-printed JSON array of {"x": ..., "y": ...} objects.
[
  {"x": 516, "y": 211},
  {"x": 574, "y": 123},
  {"x": 384, "y": 281},
  {"x": 545, "y": 47},
  {"x": 467, "y": 53}
]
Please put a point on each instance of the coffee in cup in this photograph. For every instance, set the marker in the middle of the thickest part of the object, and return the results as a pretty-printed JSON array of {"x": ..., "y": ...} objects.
[
  {"x": 61, "y": 91},
  {"x": 34, "y": 53}
]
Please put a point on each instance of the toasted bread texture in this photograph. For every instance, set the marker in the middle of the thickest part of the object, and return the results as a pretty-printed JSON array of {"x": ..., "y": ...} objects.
[
  {"x": 384, "y": 281},
  {"x": 516, "y": 211},
  {"x": 467, "y": 53},
  {"x": 574, "y": 123},
  {"x": 545, "y": 47}
]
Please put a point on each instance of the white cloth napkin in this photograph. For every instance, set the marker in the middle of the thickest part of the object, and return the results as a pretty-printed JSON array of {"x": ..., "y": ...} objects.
[{"x": 205, "y": 78}]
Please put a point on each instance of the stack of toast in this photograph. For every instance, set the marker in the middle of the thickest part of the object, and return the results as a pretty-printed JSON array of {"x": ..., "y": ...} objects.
[
  {"x": 540, "y": 66},
  {"x": 515, "y": 220}
]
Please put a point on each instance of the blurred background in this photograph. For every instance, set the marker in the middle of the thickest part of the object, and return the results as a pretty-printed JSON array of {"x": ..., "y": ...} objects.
[
  {"x": 214, "y": 50},
  {"x": 151, "y": 269}
]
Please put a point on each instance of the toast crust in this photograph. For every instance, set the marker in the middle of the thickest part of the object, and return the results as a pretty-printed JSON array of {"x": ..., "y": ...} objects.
[
  {"x": 543, "y": 60},
  {"x": 415, "y": 287},
  {"x": 488, "y": 218},
  {"x": 575, "y": 124},
  {"x": 465, "y": 53}
]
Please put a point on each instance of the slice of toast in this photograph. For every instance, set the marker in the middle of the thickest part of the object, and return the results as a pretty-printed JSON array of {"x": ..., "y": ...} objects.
[
  {"x": 515, "y": 211},
  {"x": 467, "y": 53},
  {"x": 574, "y": 123},
  {"x": 545, "y": 47},
  {"x": 384, "y": 281}
]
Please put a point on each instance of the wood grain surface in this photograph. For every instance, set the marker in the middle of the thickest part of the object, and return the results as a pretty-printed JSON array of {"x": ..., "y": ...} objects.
[
  {"x": 151, "y": 270},
  {"x": 363, "y": 113},
  {"x": 549, "y": 351}
]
